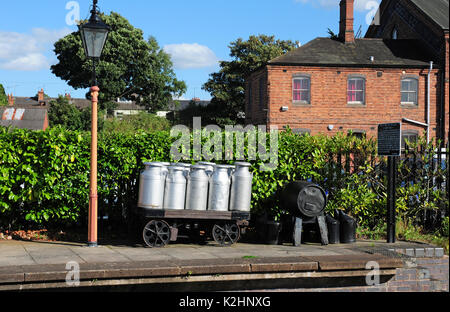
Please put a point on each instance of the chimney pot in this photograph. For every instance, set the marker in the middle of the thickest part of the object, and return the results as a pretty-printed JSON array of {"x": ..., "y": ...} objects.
[
  {"x": 346, "y": 32},
  {"x": 10, "y": 99},
  {"x": 41, "y": 95}
]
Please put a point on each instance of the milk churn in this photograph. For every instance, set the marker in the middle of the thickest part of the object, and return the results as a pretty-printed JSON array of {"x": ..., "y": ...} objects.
[
  {"x": 209, "y": 167},
  {"x": 165, "y": 171},
  {"x": 151, "y": 186},
  {"x": 197, "y": 189},
  {"x": 231, "y": 169},
  {"x": 186, "y": 167},
  {"x": 241, "y": 188},
  {"x": 219, "y": 189},
  {"x": 175, "y": 192}
]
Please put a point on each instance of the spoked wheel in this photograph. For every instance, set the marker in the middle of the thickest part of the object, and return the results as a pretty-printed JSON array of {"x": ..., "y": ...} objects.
[
  {"x": 157, "y": 234},
  {"x": 226, "y": 234}
]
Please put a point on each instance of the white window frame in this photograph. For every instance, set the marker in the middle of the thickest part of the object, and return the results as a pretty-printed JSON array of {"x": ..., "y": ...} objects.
[
  {"x": 363, "y": 90},
  {"x": 414, "y": 91},
  {"x": 301, "y": 77}
]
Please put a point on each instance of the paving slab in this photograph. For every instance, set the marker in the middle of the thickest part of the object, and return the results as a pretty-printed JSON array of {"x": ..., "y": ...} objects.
[{"x": 40, "y": 262}]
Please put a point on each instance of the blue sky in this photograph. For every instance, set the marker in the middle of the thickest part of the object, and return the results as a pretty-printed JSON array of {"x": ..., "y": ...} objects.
[{"x": 196, "y": 33}]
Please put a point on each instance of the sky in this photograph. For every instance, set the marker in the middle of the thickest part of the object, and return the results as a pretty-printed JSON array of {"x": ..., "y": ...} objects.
[{"x": 195, "y": 33}]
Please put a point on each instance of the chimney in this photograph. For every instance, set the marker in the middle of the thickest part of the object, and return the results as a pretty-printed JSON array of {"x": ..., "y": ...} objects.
[
  {"x": 41, "y": 95},
  {"x": 346, "y": 32},
  {"x": 10, "y": 100}
]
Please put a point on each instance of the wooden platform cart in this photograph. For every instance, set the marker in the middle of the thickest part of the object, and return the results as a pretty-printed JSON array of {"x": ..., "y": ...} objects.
[{"x": 160, "y": 227}]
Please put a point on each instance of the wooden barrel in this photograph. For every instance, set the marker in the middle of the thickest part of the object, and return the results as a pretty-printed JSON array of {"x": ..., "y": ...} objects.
[{"x": 302, "y": 198}]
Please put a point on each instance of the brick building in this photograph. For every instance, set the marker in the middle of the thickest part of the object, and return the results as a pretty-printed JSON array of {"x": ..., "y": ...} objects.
[{"x": 337, "y": 85}]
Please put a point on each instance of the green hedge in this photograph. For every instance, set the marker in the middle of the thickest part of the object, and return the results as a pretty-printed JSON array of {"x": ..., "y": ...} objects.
[{"x": 44, "y": 176}]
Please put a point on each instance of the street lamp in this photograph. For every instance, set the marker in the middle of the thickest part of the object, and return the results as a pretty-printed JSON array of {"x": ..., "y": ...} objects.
[{"x": 93, "y": 35}]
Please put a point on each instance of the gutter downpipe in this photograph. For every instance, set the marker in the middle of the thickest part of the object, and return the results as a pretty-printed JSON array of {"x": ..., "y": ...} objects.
[{"x": 429, "y": 101}]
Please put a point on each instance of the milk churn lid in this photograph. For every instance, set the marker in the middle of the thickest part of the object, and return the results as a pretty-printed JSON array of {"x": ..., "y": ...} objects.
[
  {"x": 206, "y": 163},
  {"x": 243, "y": 164},
  {"x": 153, "y": 164}
]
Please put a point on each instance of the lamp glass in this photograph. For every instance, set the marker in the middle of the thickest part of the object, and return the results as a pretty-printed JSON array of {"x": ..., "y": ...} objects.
[{"x": 94, "y": 39}]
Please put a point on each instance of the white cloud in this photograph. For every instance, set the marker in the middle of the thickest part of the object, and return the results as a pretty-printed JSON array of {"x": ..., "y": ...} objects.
[
  {"x": 360, "y": 5},
  {"x": 26, "y": 52},
  {"x": 191, "y": 55}
]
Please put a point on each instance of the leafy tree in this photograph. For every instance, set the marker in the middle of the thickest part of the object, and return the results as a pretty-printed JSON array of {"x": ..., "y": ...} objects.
[
  {"x": 3, "y": 98},
  {"x": 332, "y": 34},
  {"x": 227, "y": 86},
  {"x": 131, "y": 67},
  {"x": 62, "y": 113}
]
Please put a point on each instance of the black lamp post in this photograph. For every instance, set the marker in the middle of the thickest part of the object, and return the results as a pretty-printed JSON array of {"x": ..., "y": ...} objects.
[{"x": 93, "y": 34}]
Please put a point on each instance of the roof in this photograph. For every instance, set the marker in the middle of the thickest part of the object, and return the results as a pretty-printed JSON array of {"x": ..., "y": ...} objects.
[
  {"x": 437, "y": 10},
  {"x": 30, "y": 118},
  {"x": 183, "y": 104},
  {"x": 331, "y": 52},
  {"x": 31, "y": 102}
]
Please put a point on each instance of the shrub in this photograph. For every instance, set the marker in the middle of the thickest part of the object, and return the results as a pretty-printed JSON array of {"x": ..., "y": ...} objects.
[
  {"x": 133, "y": 123},
  {"x": 44, "y": 176}
]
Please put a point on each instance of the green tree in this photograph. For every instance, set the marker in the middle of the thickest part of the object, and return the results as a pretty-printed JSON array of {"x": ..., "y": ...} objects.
[
  {"x": 64, "y": 114},
  {"x": 3, "y": 98},
  {"x": 130, "y": 68},
  {"x": 227, "y": 87}
]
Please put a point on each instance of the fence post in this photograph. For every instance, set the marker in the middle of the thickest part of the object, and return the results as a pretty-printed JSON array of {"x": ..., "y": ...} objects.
[{"x": 392, "y": 172}]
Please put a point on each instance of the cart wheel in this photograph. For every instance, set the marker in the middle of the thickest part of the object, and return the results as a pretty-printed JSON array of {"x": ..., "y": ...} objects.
[
  {"x": 226, "y": 234},
  {"x": 157, "y": 234}
]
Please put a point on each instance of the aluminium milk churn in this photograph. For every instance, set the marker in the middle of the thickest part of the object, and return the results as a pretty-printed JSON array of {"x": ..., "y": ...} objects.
[
  {"x": 219, "y": 189},
  {"x": 209, "y": 167},
  {"x": 175, "y": 192},
  {"x": 241, "y": 188},
  {"x": 164, "y": 171},
  {"x": 197, "y": 189},
  {"x": 186, "y": 167},
  {"x": 151, "y": 186}
]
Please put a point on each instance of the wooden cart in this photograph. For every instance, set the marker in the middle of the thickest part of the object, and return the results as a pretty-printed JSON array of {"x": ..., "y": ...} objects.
[{"x": 160, "y": 227}]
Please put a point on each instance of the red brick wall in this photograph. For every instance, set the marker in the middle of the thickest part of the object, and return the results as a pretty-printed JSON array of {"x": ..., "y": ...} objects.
[
  {"x": 256, "y": 113},
  {"x": 417, "y": 275},
  {"x": 329, "y": 99}
]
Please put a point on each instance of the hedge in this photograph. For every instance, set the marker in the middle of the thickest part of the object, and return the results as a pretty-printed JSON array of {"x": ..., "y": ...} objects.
[{"x": 44, "y": 176}]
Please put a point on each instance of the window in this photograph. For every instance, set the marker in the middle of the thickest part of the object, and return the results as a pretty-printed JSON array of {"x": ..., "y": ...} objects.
[
  {"x": 360, "y": 134},
  {"x": 250, "y": 98},
  {"x": 261, "y": 93},
  {"x": 301, "y": 88},
  {"x": 301, "y": 131},
  {"x": 394, "y": 34},
  {"x": 409, "y": 91},
  {"x": 356, "y": 90},
  {"x": 409, "y": 136}
]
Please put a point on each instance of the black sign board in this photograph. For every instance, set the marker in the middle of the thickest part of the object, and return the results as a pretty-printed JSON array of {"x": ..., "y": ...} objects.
[{"x": 389, "y": 139}]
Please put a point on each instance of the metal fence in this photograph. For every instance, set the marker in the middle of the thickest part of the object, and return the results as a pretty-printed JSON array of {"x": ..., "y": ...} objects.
[{"x": 422, "y": 174}]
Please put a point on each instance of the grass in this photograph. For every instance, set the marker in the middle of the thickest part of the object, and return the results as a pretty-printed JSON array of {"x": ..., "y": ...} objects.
[{"x": 249, "y": 257}]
